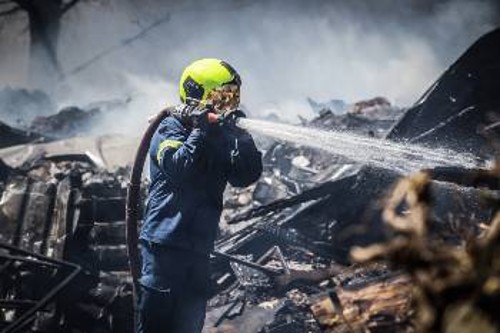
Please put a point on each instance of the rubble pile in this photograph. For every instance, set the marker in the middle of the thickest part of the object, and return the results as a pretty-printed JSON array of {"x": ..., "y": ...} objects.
[
  {"x": 372, "y": 117},
  {"x": 66, "y": 123},
  {"x": 457, "y": 287},
  {"x": 283, "y": 259},
  {"x": 71, "y": 211},
  {"x": 76, "y": 121},
  {"x": 10, "y": 136},
  {"x": 79, "y": 219},
  {"x": 18, "y": 106},
  {"x": 30, "y": 117}
]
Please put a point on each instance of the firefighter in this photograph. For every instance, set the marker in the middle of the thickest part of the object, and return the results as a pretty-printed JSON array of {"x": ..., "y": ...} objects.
[{"x": 192, "y": 158}]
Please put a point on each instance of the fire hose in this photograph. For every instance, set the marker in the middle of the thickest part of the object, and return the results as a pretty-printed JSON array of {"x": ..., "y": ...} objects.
[
  {"x": 134, "y": 200},
  {"x": 133, "y": 203}
]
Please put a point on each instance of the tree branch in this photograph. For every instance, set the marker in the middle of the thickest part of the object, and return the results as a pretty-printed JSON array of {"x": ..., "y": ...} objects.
[
  {"x": 68, "y": 6},
  {"x": 23, "y": 4},
  {"x": 13, "y": 10},
  {"x": 117, "y": 47}
]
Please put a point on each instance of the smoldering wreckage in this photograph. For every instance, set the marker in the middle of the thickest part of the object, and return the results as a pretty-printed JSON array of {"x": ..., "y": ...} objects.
[{"x": 319, "y": 244}]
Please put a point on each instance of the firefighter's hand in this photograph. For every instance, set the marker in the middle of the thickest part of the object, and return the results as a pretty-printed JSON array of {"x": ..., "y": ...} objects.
[
  {"x": 200, "y": 118},
  {"x": 231, "y": 118}
]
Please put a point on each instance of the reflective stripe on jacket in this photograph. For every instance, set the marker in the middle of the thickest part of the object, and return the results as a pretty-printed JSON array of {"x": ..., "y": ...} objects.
[{"x": 189, "y": 170}]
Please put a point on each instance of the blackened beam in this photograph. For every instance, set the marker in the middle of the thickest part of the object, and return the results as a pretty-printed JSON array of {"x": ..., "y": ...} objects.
[
  {"x": 28, "y": 260},
  {"x": 16, "y": 303},
  {"x": 235, "y": 241},
  {"x": 266, "y": 270},
  {"x": 19, "y": 325},
  {"x": 16, "y": 241},
  {"x": 446, "y": 123},
  {"x": 230, "y": 308},
  {"x": 478, "y": 178},
  {"x": 286, "y": 277},
  {"x": 317, "y": 192},
  {"x": 47, "y": 225},
  {"x": 293, "y": 276}
]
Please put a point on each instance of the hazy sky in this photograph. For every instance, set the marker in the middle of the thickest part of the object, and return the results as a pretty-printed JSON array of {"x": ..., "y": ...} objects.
[{"x": 285, "y": 50}]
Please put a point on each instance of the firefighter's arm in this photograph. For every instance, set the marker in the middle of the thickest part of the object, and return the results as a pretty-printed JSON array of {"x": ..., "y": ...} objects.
[
  {"x": 175, "y": 154},
  {"x": 245, "y": 158}
]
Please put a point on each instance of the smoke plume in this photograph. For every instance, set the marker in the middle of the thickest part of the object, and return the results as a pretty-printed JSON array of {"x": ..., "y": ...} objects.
[{"x": 285, "y": 50}]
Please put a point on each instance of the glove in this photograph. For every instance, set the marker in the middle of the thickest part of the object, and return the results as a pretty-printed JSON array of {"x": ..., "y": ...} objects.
[
  {"x": 232, "y": 117},
  {"x": 200, "y": 118}
]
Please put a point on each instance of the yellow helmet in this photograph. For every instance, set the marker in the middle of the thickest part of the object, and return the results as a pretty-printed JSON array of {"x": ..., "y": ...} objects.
[{"x": 201, "y": 79}]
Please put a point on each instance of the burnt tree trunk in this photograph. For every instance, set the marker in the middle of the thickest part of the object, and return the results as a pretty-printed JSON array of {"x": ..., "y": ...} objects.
[
  {"x": 44, "y": 18},
  {"x": 44, "y": 25}
]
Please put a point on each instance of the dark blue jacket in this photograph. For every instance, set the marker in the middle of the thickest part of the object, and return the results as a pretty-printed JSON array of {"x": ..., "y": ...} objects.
[{"x": 189, "y": 170}]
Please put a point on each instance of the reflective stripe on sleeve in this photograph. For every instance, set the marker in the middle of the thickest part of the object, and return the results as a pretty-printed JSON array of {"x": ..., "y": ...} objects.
[{"x": 165, "y": 144}]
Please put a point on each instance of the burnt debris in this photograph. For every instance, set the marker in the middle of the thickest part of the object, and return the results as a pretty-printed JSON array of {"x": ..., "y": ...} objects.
[
  {"x": 18, "y": 107},
  {"x": 69, "y": 211},
  {"x": 10, "y": 136},
  {"x": 319, "y": 244},
  {"x": 66, "y": 123},
  {"x": 461, "y": 109}
]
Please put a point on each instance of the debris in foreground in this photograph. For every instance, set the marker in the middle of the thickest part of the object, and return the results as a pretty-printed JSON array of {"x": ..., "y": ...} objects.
[
  {"x": 457, "y": 287},
  {"x": 283, "y": 260}
]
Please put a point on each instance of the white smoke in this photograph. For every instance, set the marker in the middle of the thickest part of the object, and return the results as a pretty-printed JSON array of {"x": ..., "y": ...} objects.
[{"x": 285, "y": 50}]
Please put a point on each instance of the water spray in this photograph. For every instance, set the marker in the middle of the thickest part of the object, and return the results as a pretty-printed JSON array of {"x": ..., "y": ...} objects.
[{"x": 399, "y": 157}]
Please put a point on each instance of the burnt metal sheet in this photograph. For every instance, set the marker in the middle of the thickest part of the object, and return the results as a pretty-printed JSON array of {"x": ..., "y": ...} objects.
[{"x": 455, "y": 111}]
